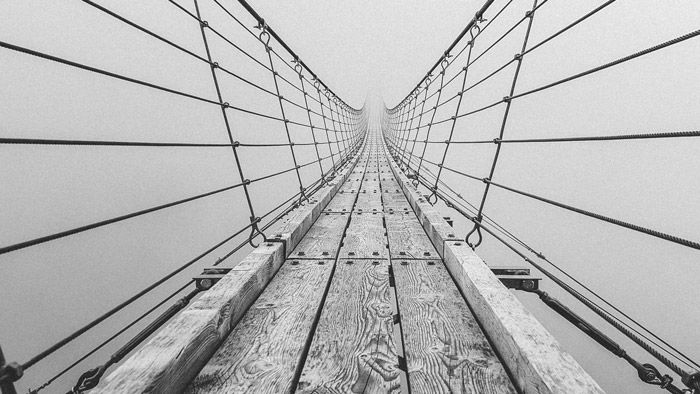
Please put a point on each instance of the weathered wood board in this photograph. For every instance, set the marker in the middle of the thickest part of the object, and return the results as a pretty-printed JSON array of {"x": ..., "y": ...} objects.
[
  {"x": 365, "y": 237},
  {"x": 407, "y": 240},
  {"x": 369, "y": 201},
  {"x": 341, "y": 202},
  {"x": 169, "y": 360},
  {"x": 353, "y": 350},
  {"x": 322, "y": 241},
  {"x": 446, "y": 351},
  {"x": 263, "y": 354},
  {"x": 533, "y": 357},
  {"x": 351, "y": 186},
  {"x": 396, "y": 202}
]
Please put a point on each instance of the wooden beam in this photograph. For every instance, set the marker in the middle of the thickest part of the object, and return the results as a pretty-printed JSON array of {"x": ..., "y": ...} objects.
[
  {"x": 292, "y": 227},
  {"x": 169, "y": 360},
  {"x": 446, "y": 351},
  {"x": 353, "y": 349},
  {"x": 264, "y": 353},
  {"x": 532, "y": 355}
]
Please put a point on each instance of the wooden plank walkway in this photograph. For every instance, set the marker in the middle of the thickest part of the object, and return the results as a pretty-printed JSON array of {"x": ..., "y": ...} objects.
[{"x": 363, "y": 303}]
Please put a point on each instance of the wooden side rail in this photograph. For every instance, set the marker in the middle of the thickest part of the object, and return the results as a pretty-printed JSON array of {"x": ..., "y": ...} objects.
[
  {"x": 173, "y": 357},
  {"x": 536, "y": 361}
]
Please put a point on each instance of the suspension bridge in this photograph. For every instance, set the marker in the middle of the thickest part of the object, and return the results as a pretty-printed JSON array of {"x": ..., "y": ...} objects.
[{"x": 350, "y": 278}]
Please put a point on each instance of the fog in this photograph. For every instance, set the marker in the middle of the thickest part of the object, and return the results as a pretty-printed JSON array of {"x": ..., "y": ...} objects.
[{"x": 358, "y": 48}]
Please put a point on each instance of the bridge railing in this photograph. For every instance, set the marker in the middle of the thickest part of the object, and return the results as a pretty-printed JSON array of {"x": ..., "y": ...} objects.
[
  {"x": 269, "y": 133},
  {"x": 449, "y": 132}
]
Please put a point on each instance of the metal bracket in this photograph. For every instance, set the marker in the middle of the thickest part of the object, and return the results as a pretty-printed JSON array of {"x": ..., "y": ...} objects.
[
  {"x": 209, "y": 277},
  {"x": 510, "y": 270},
  {"x": 520, "y": 282},
  {"x": 9, "y": 373},
  {"x": 402, "y": 363}
]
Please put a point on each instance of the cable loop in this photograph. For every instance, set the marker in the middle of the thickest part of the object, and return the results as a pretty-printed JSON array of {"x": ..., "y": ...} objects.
[
  {"x": 298, "y": 67},
  {"x": 430, "y": 197},
  {"x": 476, "y": 229},
  {"x": 255, "y": 231},
  {"x": 472, "y": 34},
  {"x": 264, "y": 35}
]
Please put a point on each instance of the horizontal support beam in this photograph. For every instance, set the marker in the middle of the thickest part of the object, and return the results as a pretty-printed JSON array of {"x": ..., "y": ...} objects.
[
  {"x": 172, "y": 358},
  {"x": 533, "y": 356}
]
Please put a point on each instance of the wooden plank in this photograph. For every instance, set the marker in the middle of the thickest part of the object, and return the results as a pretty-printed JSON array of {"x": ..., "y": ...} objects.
[
  {"x": 263, "y": 354},
  {"x": 292, "y": 227},
  {"x": 371, "y": 186},
  {"x": 351, "y": 185},
  {"x": 169, "y": 360},
  {"x": 353, "y": 349},
  {"x": 446, "y": 351},
  {"x": 407, "y": 240},
  {"x": 396, "y": 202},
  {"x": 341, "y": 202},
  {"x": 369, "y": 201},
  {"x": 322, "y": 241},
  {"x": 365, "y": 237},
  {"x": 534, "y": 357}
]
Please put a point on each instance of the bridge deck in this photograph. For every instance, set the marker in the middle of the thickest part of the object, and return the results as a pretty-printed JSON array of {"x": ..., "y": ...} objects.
[{"x": 363, "y": 290}]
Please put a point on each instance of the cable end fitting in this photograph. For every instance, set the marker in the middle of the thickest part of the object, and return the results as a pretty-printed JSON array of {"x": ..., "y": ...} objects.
[{"x": 11, "y": 372}]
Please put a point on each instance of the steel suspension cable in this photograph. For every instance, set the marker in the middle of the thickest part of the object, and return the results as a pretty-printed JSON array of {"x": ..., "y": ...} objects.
[
  {"x": 253, "y": 218},
  {"x": 593, "y": 138},
  {"x": 443, "y": 64},
  {"x": 265, "y": 40},
  {"x": 617, "y": 323},
  {"x": 454, "y": 118},
  {"x": 308, "y": 113},
  {"x": 519, "y": 58}
]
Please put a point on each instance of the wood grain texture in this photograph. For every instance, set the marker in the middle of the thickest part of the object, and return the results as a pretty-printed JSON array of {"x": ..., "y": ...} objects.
[
  {"x": 446, "y": 351},
  {"x": 169, "y": 360},
  {"x": 292, "y": 227},
  {"x": 264, "y": 352},
  {"x": 407, "y": 240},
  {"x": 353, "y": 349},
  {"x": 322, "y": 241},
  {"x": 533, "y": 356},
  {"x": 369, "y": 201},
  {"x": 341, "y": 202},
  {"x": 365, "y": 237},
  {"x": 396, "y": 202}
]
